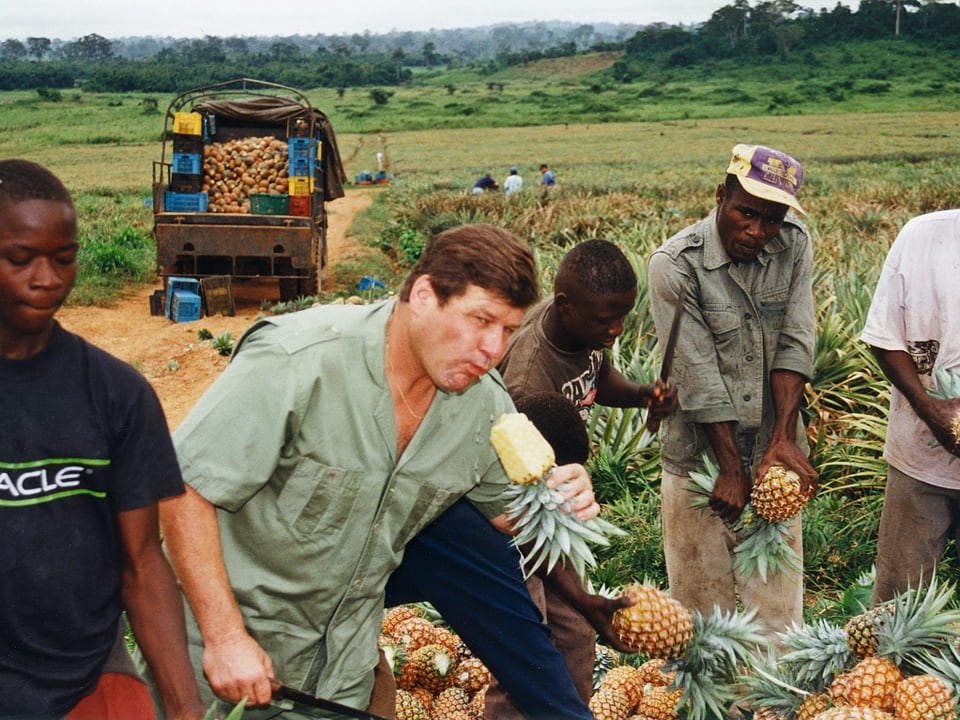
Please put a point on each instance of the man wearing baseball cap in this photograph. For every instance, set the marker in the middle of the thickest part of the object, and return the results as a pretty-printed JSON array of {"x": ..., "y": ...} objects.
[{"x": 745, "y": 350}]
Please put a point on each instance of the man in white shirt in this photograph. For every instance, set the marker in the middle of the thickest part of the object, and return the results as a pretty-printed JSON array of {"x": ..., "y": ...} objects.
[
  {"x": 913, "y": 328},
  {"x": 513, "y": 182}
]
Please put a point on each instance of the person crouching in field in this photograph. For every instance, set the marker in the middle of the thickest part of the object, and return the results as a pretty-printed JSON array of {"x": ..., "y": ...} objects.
[{"x": 85, "y": 457}]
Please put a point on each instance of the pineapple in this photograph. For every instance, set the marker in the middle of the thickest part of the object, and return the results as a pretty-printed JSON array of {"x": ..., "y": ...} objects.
[
  {"x": 812, "y": 705},
  {"x": 923, "y": 697},
  {"x": 478, "y": 703},
  {"x": 471, "y": 674},
  {"x": 871, "y": 683},
  {"x": 525, "y": 454},
  {"x": 762, "y": 546},
  {"x": 658, "y": 703},
  {"x": 610, "y": 703},
  {"x": 655, "y": 624},
  {"x": 653, "y": 672},
  {"x": 410, "y": 708},
  {"x": 396, "y": 615},
  {"x": 626, "y": 679},
  {"x": 777, "y": 495},
  {"x": 415, "y": 632},
  {"x": 451, "y": 704},
  {"x": 433, "y": 667},
  {"x": 862, "y": 630},
  {"x": 538, "y": 512},
  {"x": 854, "y": 713}
]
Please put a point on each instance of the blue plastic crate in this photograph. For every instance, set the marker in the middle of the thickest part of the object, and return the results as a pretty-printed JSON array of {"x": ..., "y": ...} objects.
[
  {"x": 184, "y": 202},
  {"x": 302, "y": 156},
  {"x": 176, "y": 284},
  {"x": 187, "y": 163},
  {"x": 185, "y": 306}
]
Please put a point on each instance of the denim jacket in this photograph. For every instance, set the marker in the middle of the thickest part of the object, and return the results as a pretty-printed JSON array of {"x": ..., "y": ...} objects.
[{"x": 741, "y": 321}]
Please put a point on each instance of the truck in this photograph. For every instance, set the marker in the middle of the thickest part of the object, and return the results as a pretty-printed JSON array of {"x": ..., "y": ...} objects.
[{"x": 245, "y": 171}]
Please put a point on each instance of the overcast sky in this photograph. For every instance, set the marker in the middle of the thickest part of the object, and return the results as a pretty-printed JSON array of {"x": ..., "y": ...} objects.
[{"x": 71, "y": 19}]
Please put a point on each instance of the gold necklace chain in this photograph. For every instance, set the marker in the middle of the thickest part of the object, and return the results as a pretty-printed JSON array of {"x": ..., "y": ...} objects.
[{"x": 386, "y": 354}]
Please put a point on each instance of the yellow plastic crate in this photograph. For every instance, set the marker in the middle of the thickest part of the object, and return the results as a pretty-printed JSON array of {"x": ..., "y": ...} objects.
[
  {"x": 187, "y": 123},
  {"x": 300, "y": 185}
]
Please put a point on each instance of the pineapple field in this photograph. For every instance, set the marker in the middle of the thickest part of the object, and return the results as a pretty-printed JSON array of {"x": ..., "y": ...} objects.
[{"x": 634, "y": 184}]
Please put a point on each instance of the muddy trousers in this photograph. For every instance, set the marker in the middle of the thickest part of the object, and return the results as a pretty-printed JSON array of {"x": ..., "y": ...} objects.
[
  {"x": 470, "y": 573},
  {"x": 699, "y": 550}
]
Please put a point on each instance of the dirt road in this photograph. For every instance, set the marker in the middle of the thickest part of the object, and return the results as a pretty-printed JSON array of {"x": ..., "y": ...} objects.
[{"x": 169, "y": 354}]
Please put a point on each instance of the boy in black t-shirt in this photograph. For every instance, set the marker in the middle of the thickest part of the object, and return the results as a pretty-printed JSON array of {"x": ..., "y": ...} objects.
[{"x": 85, "y": 457}]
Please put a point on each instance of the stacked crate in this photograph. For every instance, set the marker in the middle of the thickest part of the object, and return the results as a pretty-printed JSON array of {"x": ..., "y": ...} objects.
[
  {"x": 186, "y": 180},
  {"x": 302, "y": 154},
  {"x": 183, "y": 299}
]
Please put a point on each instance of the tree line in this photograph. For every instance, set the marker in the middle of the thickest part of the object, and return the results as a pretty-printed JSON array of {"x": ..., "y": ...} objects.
[{"x": 768, "y": 30}]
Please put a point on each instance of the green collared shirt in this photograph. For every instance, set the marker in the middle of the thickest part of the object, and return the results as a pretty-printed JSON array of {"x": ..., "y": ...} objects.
[
  {"x": 295, "y": 444},
  {"x": 741, "y": 322}
]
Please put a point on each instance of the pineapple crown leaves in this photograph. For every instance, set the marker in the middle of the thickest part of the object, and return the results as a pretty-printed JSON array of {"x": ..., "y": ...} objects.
[
  {"x": 771, "y": 687},
  {"x": 763, "y": 546},
  {"x": 946, "y": 387},
  {"x": 546, "y": 532},
  {"x": 945, "y": 664},
  {"x": 815, "y": 653},
  {"x": 708, "y": 669},
  {"x": 921, "y": 621}
]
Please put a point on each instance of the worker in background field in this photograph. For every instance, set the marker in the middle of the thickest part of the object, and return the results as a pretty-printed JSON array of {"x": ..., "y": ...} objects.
[
  {"x": 513, "y": 183},
  {"x": 484, "y": 183}
]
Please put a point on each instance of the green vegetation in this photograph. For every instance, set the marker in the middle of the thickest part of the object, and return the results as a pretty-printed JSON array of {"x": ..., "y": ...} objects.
[{"x": 636, "y": 160}]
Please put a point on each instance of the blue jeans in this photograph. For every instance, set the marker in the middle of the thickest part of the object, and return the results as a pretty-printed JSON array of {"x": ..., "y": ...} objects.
[{"x": 470, "y": 572}]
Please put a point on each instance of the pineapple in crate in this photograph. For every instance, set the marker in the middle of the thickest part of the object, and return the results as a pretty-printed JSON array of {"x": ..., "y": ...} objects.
[
  {"x": 546, "y": 532},
  {"x": 764, "y": 535},
  {"x": 912, "y": 673}
]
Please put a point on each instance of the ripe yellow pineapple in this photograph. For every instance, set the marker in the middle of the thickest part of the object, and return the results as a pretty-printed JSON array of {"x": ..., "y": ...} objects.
[
  {"x": 478, "y": 702},
  {"x": 655, "y": 624},
  {"x": 627, "y": 679},
  {"x": 658, "y": 703},
  {"x": 537, "y": 512},
  {"x": 812, "y": 705},
  {"x": 471, "y": 674},
  {"x": 652, "y": 673},
  {"x": 923, "y": 697},
  {"x": 415, "y": 632},
  {"x": 451, "y": 704},
  {"x": 433, "y": 667},
  {"x": 777, "y": 495},
  {"x": 525, "y": 454},
  {"x": 409, "y": 707},
  {"x": 854, "y": 713},
  {"x": 872, "y": 682},
  {"x": 610, "y": 703},
  {"x": 396, "y": 615}
]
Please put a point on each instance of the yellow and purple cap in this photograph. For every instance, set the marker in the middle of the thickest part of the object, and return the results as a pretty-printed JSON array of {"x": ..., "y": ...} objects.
[{"x": 767, "y": 174}]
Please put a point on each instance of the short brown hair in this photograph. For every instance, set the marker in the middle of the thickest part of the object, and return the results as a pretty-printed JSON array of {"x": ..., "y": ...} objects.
[
  {"x": 479, "y": 254},
  {"x": 22, "y": 180}
]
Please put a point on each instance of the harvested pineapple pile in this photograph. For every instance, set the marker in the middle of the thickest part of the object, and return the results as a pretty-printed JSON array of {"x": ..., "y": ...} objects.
[
  {"x": 643, "y": 692},
  {"x": 437, "y": 676},
  {"x": 234, "y": 169},
  {"x": 900, "y": 661}
]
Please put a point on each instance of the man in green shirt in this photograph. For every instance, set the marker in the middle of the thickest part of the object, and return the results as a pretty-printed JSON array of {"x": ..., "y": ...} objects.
[{"x": 332, "y": 439}]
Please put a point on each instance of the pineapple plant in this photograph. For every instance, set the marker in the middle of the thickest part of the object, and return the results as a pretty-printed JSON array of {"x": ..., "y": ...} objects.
[
  {"x": 546, "y": 532},
  {"x": 655, "y": 624},
  {"x": 763, "y": 546}
]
